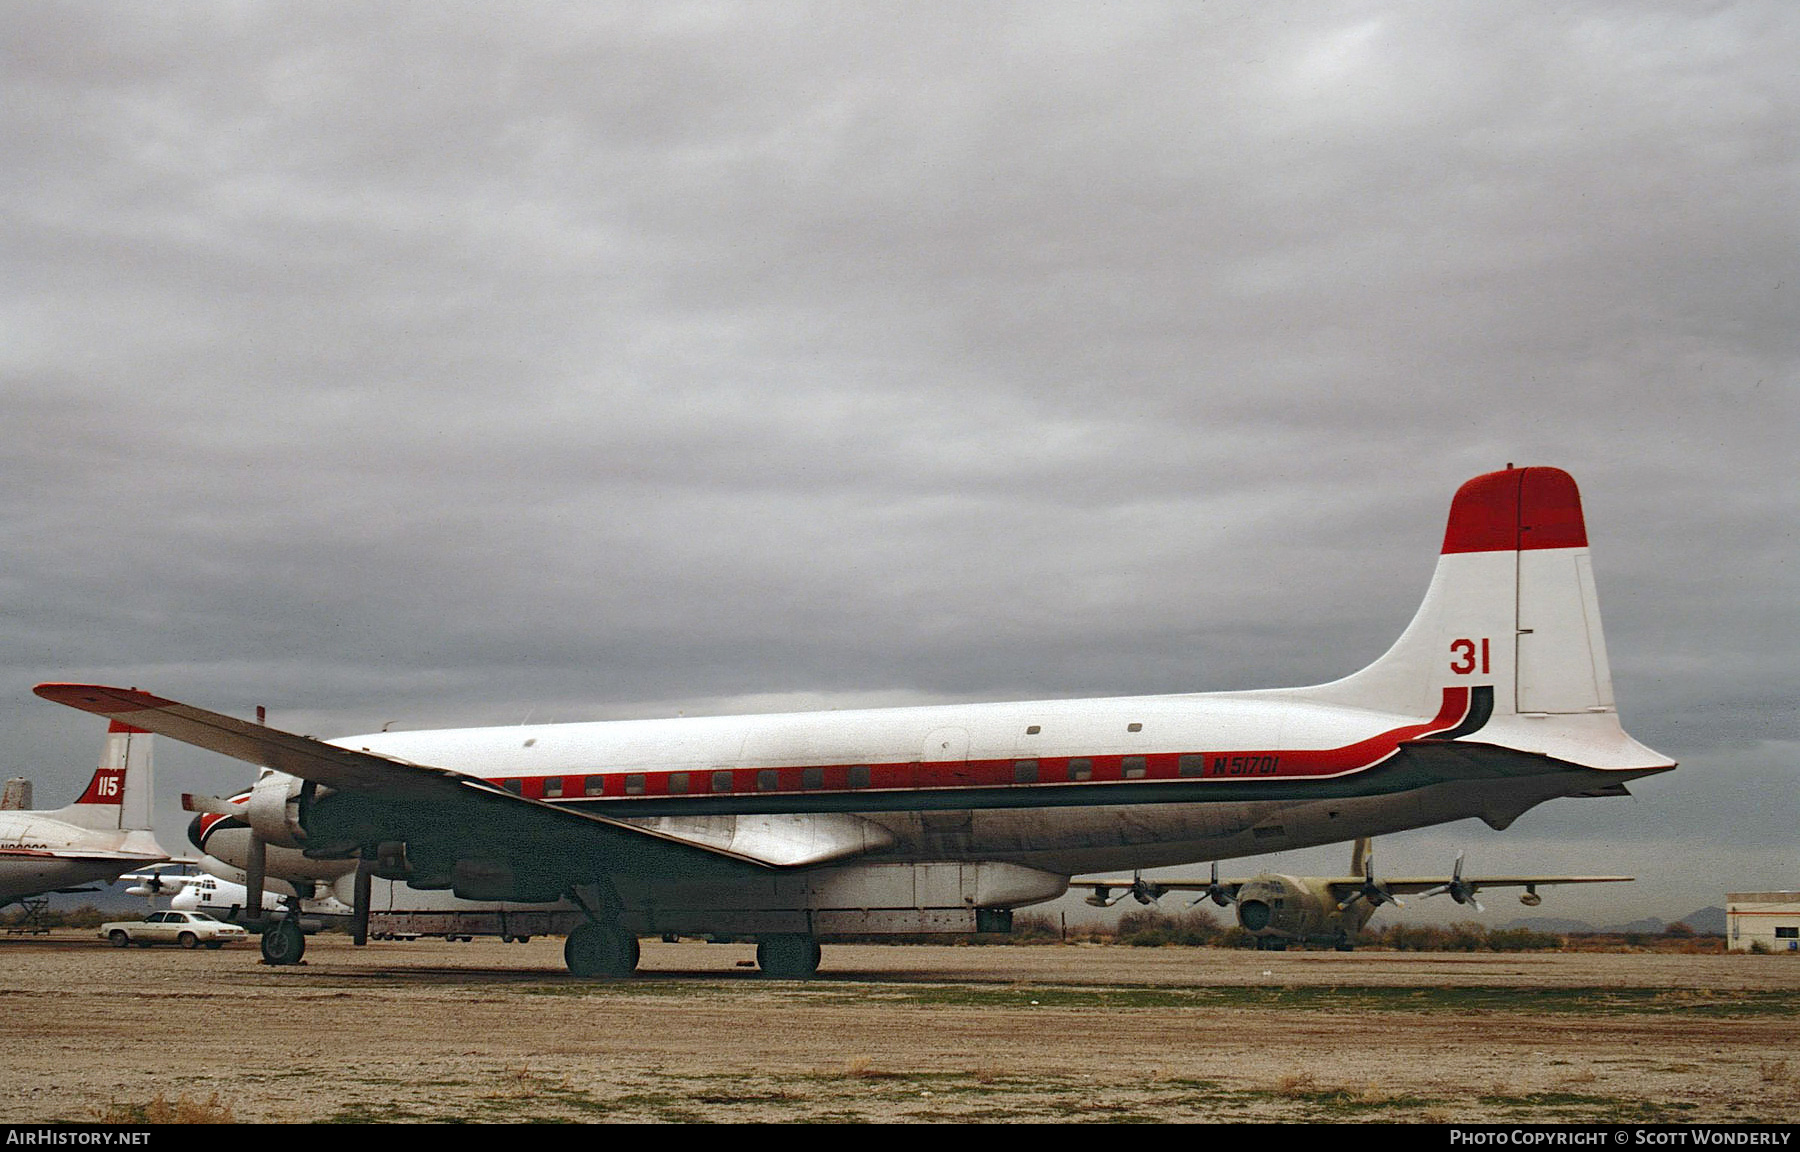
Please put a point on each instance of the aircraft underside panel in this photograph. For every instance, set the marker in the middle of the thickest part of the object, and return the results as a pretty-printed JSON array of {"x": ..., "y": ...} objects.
[{"x": 873, "y": 899}]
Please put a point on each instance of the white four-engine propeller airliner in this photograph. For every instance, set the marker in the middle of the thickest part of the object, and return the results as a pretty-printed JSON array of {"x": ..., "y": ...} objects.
[{"x": 795, "y": 827}]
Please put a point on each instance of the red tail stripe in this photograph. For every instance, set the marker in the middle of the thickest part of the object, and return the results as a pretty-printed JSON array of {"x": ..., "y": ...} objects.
[{"x": 1519, "y": 509}]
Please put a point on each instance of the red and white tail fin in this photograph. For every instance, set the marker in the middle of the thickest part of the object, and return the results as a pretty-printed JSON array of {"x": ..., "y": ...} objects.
[
  {"x": 1511, "y": 618},
  {"x": 119, "y": 795}
]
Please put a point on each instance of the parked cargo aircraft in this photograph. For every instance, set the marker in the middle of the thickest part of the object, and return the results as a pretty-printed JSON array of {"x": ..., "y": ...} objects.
[
  {"x": 795, "y": 827},
  {"x": 104, "y": 833},
  {"x": 1280, "y": 910},
  {"x": 226, "y": 900}
]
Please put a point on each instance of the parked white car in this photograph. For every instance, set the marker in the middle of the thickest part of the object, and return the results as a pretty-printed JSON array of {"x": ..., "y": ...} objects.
[{"x": 188, "y": 929}]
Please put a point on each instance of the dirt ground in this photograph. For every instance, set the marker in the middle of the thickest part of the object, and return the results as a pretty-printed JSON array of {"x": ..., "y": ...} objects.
[{"x": 433, "y": 1031}]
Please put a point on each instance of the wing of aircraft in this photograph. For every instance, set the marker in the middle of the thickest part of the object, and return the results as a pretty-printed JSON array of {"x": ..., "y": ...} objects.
[{"x": 435, "y": 803}]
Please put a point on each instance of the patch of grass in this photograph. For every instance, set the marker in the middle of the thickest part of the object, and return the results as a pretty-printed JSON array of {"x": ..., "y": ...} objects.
[
  {"x": 1535, "y": 1001},
  {"x": 1570, "y": 1106},
  {"x": 378, "y": 1114},
  {"x": 661, "y": 1105}
]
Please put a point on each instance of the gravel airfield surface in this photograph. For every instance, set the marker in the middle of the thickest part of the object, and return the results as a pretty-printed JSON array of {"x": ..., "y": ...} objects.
[{"x": 434, "y": 1031}]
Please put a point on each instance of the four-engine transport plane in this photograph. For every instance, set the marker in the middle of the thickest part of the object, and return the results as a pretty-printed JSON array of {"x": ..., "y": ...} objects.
[
  {"x": 1280, "y": 910},
  {"x": 790, "y": 828},
  {"x": 105, "y": 833}
]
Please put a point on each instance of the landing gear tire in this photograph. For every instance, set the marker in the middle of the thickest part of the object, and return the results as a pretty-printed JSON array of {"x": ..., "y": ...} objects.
[
  {"x": 283, "y": 943},
  {"x": 1345, "y": 944},
  {"x": 788, "y": 957},
  {"x": 606, "y": 951}
]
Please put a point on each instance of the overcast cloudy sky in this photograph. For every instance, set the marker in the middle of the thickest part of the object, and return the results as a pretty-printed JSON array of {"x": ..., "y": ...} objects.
[{"x": 477, "y": 363}]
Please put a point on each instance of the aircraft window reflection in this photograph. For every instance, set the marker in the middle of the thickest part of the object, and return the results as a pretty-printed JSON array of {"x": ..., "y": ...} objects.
[
  {"x": 721, "y": 782},
  {"x": 552, "y": 787},
  {"x": 1025, "y": 771},
  {"x": 1133, "y": 767},
  {"x": 678, "y": 783},
  {"x": 1081, "y": 769},
  {"x": 767, "y": 780},
  {"x": 1193, "y": 765},
  {"x": 516, "y": 787},
  {"x": 596, "y": 786},
  {"x": 859, "y": 775},
  {"x": 634, "y": 784},
  {"x": 812, "y": 778}
]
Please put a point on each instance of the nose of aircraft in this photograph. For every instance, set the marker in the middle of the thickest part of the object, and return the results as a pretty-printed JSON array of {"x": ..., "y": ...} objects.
[{"x": 197, "y": 832}]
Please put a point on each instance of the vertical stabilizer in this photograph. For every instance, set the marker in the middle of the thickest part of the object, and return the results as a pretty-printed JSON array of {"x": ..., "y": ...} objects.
[
  {"x": 1511, "y": 609},
  {"x": 119, "y": 795}
]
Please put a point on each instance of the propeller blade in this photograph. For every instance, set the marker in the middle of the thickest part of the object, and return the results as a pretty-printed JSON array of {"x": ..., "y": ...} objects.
[
  {"x": 1144, "y": 891},
  {"x": 211, "y": 805}
]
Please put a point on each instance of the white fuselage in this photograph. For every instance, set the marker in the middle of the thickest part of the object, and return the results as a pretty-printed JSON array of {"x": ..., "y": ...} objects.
[
  {"x": 1064, "y": 786},
  {"x": 39, "y": 853}
]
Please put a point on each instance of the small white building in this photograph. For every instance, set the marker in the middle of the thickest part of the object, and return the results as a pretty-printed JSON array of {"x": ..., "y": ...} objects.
[{"x": 1769, "y": 918}]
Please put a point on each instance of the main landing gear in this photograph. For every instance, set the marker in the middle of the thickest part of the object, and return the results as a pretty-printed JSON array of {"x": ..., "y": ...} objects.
[
  {"x": 788, "y": 957},
  {"x": 605, "y": 950},
  {"x": 283, "y": 942}
]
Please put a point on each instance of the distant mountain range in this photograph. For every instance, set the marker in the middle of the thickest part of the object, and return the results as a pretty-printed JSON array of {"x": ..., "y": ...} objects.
[{"x": 1709, "y": 921}]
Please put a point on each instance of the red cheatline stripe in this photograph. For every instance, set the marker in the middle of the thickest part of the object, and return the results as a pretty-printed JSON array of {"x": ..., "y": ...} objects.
[{"x": 1162, "y": 767}]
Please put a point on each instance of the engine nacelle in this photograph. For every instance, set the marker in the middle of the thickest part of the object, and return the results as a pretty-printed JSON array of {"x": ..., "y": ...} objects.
[{"x": 273, "y": 810}]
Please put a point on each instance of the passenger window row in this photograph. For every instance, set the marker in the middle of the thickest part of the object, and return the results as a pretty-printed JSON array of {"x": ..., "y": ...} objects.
[{"x": 726, "y": 781}]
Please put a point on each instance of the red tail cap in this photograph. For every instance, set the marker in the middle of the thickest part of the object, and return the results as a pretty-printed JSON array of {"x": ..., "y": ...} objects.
[{"x": 1516, "y": 510}]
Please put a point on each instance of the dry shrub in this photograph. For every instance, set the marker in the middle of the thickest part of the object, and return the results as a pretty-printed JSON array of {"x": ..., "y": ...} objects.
[
  {"x": 185, "y": 1110},
  {"x": 525, "y": 1085}
]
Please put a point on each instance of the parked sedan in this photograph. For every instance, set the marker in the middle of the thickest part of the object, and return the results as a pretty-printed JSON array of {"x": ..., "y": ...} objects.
[{"x": 188, "y": 929}]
